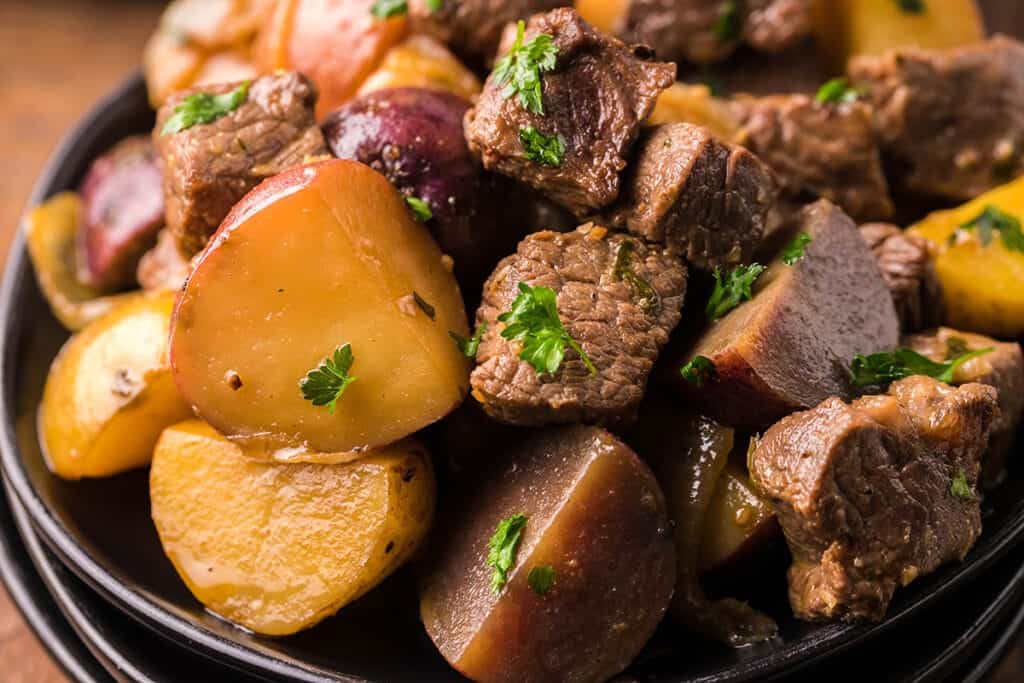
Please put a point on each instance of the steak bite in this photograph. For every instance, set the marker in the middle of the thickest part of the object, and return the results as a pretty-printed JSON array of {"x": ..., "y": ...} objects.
[
  {"x": 703, "y": 199},
  {"x": 873, "y": 494},
  {"x": 952, "y": 121},
  {"x": 592, "y": 100},
  {"x": 909, "y": 274},
  {"x": 822, "y": 150},
  {"x": 790, "y": 346},
  {"x": 208, "y": 167},
  {"x": 617, "y": 297}
]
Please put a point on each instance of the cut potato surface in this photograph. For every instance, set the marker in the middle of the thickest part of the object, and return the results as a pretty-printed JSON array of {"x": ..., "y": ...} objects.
[
  {"x": 277, "y": 548},
  {"x": 313, "y": 259},
  {"x": 110, "y": 393}
]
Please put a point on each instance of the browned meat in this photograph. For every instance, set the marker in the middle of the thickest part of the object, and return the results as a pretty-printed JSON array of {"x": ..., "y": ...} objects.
[
  {"x": 617, "y": 297},
  {"x": 472, "y": 28},
  {"x": 909, "y": 273},
  {"x": 595, "y": 99},
  {"x": 822, "y": 150},
  {"x": 705, "y": 200},
  {"x": 209, "y": 167},
  {"x": 710, "y": 30},
  {"x": 952, "y": 121},
  {"x": 1003, "y": 369},
  {"x": 874, "y": 494},
  {"x": 163, "y": 267}
]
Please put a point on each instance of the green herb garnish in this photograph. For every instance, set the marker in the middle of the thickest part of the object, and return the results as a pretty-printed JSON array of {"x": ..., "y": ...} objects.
[
  {"x": 503, "y": 547},
  {"x": 470, "y": 346},
  {"x": 420, "y": 209},
  {"x": 385, "y": 9},
  {"x": 732, "y": 289},
  {"x": 699, "y": 371},
  {"x": 546, "y": 150},
  {"x": 520, "y": 70},
  {"x": 424, "y": 306},
  {"x": 883, "y": 368},
  {"x": 650, "y": 302},
  {"x": 204, "y": 107},
  {"x": 541, "y": 579},
  {"x": 326, "y": 384},
  {"x": 959, "y": 488},
  {"x": 795, "y": 250},
  {"x": 434, "y": 5},
  {"x": 912, "y": 6},
  {"x": 838, "y": 91},
  {"x": 534, "y": 321},
  {"x": 729, "y": 22},
  {"x": 990, "y": 221}
]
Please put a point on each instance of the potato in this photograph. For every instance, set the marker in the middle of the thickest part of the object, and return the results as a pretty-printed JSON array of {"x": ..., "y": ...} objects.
[
  {"x": 315, "y": 258},
  {"x": 694, "y": 104},
  {"x": 846, "y": 28},
  {"x": 596, "y": 518},
  {"x": 605, "y": 15},
  {"x": 51, "y": 230},
  {"x": 981, "y": 283},
  {"x": 739, "y": 523},
  {"x": 337, "y": 43},
  {"x": 123, "y": 209},
  {"x": 110, "y": 393},
  {"x": 277, "y": 548},
  {"x": 422, "y": 62}
]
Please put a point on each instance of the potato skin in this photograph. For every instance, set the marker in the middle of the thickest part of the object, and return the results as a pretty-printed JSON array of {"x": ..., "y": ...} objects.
[
  {"x": 596, "y": 515},
  {"x": 277, "y": 548}
]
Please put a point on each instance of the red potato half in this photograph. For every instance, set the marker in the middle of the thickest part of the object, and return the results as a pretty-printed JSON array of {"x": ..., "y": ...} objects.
[{"x": 315, "y": 258}]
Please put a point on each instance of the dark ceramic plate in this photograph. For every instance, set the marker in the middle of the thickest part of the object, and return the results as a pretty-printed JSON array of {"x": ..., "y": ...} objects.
[{"x": 102, "y": 529}]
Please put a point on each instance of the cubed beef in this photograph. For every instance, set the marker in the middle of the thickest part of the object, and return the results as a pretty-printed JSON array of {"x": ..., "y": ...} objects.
[
  {"x": 703, "y": 199},
  {"x": 710, "y": 30},
  {"x": 616, "y": 296},
  {"x": 871, "y": 495},
  {"x": 472, "y": 28},
  {"x": 163, "y": 267},
  {"x": 952, "y": 121},
  {"x": 909, "y": 273},
  {"x": 594, "y": 99},
  {"x": 209, "y": 167},
  {"x": 790, "y": 346},
  {"x": 820, "y": 150},
  {"x": 1002, "y": 368}
]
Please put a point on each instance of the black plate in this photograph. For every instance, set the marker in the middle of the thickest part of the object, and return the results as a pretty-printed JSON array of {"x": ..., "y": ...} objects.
[{"x": 102, "y": 529}]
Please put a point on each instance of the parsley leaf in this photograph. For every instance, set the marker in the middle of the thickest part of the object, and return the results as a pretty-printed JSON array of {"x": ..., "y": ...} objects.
[
  {"x": 990, "y": 221},
  {"x": 503, "y": 547},
  {"x": 650, "y": 302},
  {"x": 420, "y": 209},
  {"x": 732, "y": 289},
  {"x": 519, "y": 71},
  {"x": 838, "y": 91},
  {"x": 728, "y": 24},
  {"x": 325, "y": 384},
  {"x": 534, "y": 321},
  {"x": 698, "y": 371},
  {"x": 882, "y": 368},
  {"x": 385, "y": 9},
  {"x": 541, "y": 578},
  {"x": 912, "y": 6},
  {"x": 434, "y": 5},
  {"x": 795, "y": 251},
  {"x": 424, "y": 306},
  {"x": 546, "y": 150},
  {"x": 204, "y": 107},
  {"x": 959, "y": 488},
  {"x": 470, "y": 346}
]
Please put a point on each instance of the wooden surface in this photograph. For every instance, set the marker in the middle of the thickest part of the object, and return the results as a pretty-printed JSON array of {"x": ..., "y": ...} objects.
[{"x": 56, "y": 58}]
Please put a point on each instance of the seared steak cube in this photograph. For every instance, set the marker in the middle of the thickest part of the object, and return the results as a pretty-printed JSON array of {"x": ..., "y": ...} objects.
[
  {"x": 593, "y": 101},
  {"x": 616, "y": 296},
  {"x": 208, "y": 167},
  {"x": 909, "y": 273},
  {"x": 952, "y": 121},
  {"x": 871, "y": 495},
  {"x": 703, "y": 199},
  {"x": 1002, "y": 368},
  {"x": 822, "y": 150}
]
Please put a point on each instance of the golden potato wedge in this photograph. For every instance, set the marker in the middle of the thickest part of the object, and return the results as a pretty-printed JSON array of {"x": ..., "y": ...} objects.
[
  {"x": 110, "y": 393},
  {"x": 422, "y": 62},
  {"x": 684, "y": 103},
  {"x": 277, "y": 548}
]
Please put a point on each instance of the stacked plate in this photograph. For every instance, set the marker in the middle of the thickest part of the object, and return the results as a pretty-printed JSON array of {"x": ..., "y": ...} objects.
[{"x": 83, "y": 561}]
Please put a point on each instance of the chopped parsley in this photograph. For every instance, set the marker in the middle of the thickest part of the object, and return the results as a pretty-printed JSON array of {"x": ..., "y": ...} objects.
[
  {"x": 650, "y": 302},
  {"x": 541, "y": 579},
  {"x": 729, "y": 22},
  {"x": 732, "y": 289},
  {"x": 503, "y": 547},
  {"x": 534, "y": 321},
  {"x": 385, "y": 9},
  {"x": 325, "y": 384},
  {"x": 420, "y": 209},
  {"x": 546, "y": 150},
  {"x": 434, "y": 5},
  {"x": 699, "y": 371},
  {"x": 470, "y": 346},
  {"x": 883, "y": 368},
  {"x": 911, "y": 6},
  {"x": 838, "y": 91},
  {"x": 990, "y": 221},
  {"x": 519, "y": 71},
  {"x": 204, "y": 107},
  {"x": 424, "y": 306},
  {"x": 959, "y": 488},
  {"x": 795, "y": 250}
]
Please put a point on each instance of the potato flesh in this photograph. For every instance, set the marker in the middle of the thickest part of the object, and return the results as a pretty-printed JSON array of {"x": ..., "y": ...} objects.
[
  {"x": 738, "y": 521},
  {"x": 277, "y": 548},
  {"x": 606, "y": 15},
  {"x": 683, "y": 103},
  {"x": 422, "y": 62},
  {"x": 303, "y": 270},
  {"x": 110, "y": 393}
]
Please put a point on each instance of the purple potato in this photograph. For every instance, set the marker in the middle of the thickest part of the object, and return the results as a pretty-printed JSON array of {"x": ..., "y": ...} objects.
[{"x": 122, "y": 211}]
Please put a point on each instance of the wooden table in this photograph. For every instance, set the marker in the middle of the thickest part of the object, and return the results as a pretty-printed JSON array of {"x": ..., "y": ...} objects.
[{"x": 56, "y": 59}]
